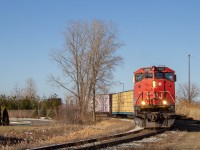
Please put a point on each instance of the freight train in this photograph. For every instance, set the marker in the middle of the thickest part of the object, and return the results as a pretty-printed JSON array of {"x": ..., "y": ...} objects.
[{"x": 151, "y": 103}]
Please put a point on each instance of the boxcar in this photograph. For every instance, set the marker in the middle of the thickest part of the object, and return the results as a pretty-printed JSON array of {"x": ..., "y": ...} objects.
[
  {"x": 122, "y": 103},
  {"x": 102, "y": 104}
]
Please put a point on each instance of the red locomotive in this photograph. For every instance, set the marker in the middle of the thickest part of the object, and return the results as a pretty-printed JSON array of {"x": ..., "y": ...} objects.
[{"x": 154, "y": 96}]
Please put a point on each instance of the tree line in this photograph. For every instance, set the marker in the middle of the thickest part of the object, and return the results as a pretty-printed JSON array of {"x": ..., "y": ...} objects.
[
  {"x": 27, "y": 99},
  {"x": 28, "y": 103}
]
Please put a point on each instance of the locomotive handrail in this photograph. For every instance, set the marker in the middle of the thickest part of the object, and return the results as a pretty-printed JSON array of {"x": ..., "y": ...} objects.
[
  {"x": 160, "y": 92},
  {"x": 169, "y": 94},
  {"x": 138, "y": 97}
]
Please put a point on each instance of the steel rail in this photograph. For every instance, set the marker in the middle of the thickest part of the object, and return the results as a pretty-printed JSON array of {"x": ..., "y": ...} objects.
[
  {"x": 102, "y": 142},
  {"x": 117, "y": 141},
  {"x": 82, "y": 142}
]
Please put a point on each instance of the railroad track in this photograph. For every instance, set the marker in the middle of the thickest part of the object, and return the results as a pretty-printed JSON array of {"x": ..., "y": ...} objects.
[{"x": 104, "y": 142}]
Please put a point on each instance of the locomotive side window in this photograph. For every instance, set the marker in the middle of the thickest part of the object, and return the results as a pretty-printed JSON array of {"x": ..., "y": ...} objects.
[
  {"x": 148, "y": 75},
  {"x": 138, "y": 77},
  {"x": 159, "y": 75},
  {"x": 169, "y": 76}
]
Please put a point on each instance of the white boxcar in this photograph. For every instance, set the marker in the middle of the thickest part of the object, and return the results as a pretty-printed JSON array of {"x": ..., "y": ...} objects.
[{"x": 102, "y": 104}]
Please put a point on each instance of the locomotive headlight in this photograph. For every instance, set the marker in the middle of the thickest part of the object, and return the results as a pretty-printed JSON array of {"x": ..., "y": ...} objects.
[
  {"x": 164, "y": 102},
  {"x": 154, "y": 84},
  {"x": 143, "y": 103}
]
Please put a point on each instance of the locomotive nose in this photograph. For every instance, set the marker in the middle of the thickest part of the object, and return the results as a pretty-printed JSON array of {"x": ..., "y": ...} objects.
[{"x": 157, "y": 84}]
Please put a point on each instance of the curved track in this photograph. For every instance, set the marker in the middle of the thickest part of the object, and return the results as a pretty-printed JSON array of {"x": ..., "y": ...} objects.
[{"x": 103, "y": 142}]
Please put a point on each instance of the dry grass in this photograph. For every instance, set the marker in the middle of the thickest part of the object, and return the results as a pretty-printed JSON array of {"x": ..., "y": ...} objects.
[
  {"x": 188, "y": 109},
  {"x": 59, "y": 133}
]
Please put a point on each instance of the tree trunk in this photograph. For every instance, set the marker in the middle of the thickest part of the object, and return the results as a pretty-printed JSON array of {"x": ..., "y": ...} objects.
[{"x": 94, "y": 105}]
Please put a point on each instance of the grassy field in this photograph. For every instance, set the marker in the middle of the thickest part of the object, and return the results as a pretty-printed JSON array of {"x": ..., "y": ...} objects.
[
  {"x": 58, "y": 133},
  {"x": 191, "y": 109}
]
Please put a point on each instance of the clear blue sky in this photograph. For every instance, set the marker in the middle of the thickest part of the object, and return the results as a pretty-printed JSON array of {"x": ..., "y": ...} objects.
[{"x": 156, "y": 32}]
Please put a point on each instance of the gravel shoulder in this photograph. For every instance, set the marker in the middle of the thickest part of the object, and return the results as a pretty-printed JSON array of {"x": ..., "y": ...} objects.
[{"x": 184, "y": 135}]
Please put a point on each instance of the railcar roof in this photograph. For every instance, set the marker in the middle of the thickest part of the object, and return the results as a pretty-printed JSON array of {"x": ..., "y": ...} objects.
[{"x": 144, "y": 69}]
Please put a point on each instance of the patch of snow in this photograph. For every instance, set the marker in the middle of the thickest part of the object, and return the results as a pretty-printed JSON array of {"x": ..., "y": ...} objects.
[
  {"x": 20, "y": 122},
  {"x": 151, "y": 139},
  {"x": 173, "y": 132},
  {"x": 137, "y": 128},
  {"x": 163, "y": 135}
]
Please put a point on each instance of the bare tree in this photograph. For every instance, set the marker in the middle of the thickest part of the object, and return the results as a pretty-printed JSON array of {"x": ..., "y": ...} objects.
[
  {"x": 103, "y": 43},
  {"x": 182, "y": 92},
  {"x": 73, "y": 63},
  {"x": 17, "y": 92},
  {"x": 88, "y": 60},
  {"x": 17, "y": 95},
  {"x": 30, "y": 90}
]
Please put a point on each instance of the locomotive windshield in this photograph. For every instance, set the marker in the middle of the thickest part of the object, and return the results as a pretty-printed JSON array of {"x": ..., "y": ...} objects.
[
  {"x": 138, "y": 77},
  {"x": 166, "y": 75},
  {"x": 148, "y": 75},
  {"x": 159, "y": 75},
  {"x": 169, "y": 76}
]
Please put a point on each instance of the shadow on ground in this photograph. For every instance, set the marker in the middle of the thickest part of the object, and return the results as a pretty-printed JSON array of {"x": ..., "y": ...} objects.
[
  {"x": 9, "y": 140},
  {"x": 184, "y": 123}
]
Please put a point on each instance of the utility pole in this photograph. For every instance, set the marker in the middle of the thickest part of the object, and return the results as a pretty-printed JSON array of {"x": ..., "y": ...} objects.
[
  {"x": 123, "y": 85},
  {"x": 189, "y": 99}
]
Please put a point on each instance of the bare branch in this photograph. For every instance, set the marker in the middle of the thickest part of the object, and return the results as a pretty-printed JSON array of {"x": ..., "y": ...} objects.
[{"x": 183, "y": 91}]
